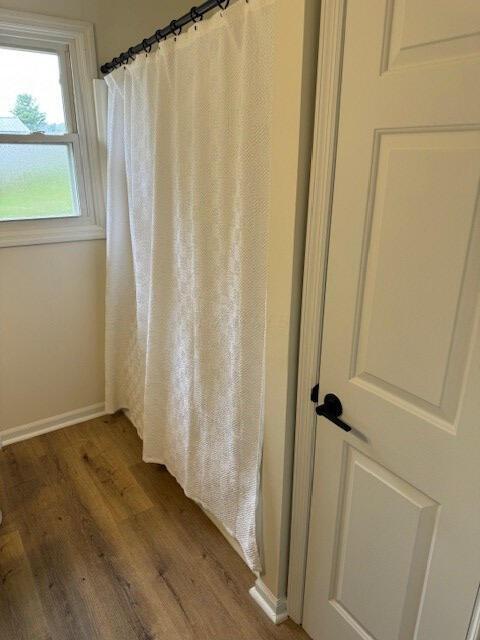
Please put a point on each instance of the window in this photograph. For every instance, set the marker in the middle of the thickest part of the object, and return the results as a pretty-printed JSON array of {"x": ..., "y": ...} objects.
[{"x": 50, "y": 180}]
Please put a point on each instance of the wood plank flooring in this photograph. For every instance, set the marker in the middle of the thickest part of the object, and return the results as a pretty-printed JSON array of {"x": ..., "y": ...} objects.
[{"x": 96, "y": 544}]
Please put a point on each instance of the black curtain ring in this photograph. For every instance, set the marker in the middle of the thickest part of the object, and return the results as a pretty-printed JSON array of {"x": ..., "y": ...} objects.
[
  {"x": 195, "y": 16},
  {"x": 131, "y": 54},
  {"x": 224, "y": 5},
  {"x": 158, "y": 35},
  {"x": 146, "y": 47},
  {"x": 174, "y": 27}
]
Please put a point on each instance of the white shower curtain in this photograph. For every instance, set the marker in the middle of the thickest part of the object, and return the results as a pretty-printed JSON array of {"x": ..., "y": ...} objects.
[{"x": 188, "y": 200}]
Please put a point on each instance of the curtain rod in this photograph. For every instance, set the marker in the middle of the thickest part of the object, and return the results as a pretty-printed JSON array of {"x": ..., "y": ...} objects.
[{"x": 174, "y": 28}]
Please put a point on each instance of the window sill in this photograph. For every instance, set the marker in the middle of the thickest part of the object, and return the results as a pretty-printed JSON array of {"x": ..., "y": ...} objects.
[{"x": 31, "y": 236}]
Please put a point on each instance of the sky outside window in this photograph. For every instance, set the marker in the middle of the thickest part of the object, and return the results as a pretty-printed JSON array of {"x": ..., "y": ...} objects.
[{"x": 35, "y": 74}]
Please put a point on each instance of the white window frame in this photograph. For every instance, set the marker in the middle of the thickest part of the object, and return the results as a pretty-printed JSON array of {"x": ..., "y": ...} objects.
[{"x": 73, "y": 41}]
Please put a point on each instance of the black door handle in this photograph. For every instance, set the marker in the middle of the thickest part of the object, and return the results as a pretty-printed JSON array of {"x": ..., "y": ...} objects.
[{"x": 332, "y": 410}]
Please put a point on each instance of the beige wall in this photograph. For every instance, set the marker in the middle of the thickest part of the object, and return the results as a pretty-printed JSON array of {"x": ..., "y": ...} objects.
[
  {"x": 51, "y": 296},
  {"x": 118, "y": 23},
  {"x": 51, "y": 330},
  {"x": 295, "y": 70}
]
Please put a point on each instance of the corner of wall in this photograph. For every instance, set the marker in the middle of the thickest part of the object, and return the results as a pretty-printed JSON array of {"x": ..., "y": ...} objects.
[
  {"x": 293, "y": 119},
  {"x": 275, "y": 608}
]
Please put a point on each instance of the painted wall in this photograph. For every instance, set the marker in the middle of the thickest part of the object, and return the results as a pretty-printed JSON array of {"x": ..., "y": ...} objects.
[
  {"x": 51, "y": 330},
  {"x": 51, "y": 296},
  {"x": 118, "y": 23},
  {"x": 293, "y": 114}
]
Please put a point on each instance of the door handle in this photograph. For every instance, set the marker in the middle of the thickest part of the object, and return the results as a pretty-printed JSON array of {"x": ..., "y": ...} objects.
[{"x": 332, "y": 410}]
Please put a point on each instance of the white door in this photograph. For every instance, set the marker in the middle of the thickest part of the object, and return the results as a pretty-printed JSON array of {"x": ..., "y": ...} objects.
[{"x": 394, "y": 542}]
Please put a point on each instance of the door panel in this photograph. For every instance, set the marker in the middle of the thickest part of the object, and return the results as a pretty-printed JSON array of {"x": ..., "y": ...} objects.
[
  {"x": 393, "y": 541},
  {"x": 415, "y": 38},
  {"x": 413, "y": 332},
  {"x": 384, "y": 537}
]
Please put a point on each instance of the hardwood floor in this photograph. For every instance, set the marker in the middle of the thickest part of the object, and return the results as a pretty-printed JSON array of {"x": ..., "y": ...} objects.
[{"x": 96, "y": 544}]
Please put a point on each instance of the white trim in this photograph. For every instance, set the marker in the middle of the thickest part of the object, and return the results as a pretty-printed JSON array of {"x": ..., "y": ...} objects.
[
  {"x": 78, "y": 39},
  {"x": 473, "y": 632},
  {"x": 37, "y": 138},
  {"x": 275, "y": 608},
  {"x": 100, "y": 94},
  {"x": 37, "y": 428},
  {"x": 318, "y": 227}
]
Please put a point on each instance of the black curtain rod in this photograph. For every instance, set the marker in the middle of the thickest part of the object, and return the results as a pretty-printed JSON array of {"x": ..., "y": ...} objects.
[{"x": 175, "y": 27}]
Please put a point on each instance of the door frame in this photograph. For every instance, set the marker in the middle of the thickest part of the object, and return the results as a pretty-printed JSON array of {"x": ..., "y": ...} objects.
[{"x": 330, "y": 58}]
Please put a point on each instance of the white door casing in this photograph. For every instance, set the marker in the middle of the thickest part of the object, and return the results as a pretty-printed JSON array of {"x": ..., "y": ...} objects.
[
  {"x": 330, "y": 49},
  {"x": 394, "y": 517}
]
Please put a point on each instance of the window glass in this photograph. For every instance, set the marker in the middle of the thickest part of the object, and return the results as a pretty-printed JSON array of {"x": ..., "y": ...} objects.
[
  {"x": 30, "y": 92},
  {"x": 37, "y": 181}
]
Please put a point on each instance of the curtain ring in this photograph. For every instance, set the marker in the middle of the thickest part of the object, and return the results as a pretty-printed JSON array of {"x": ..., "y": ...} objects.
[
  {"x": 195, "y": 16},
  {"x": 146, "y": 47},
  {"x": 174, "y": 27},
  {"x": 223, "y": 6},
  {"x": 131, "y": 54}
]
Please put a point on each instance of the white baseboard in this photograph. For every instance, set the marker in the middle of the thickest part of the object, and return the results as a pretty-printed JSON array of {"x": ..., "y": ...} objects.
[
  {"x": 275, "y": 608},
  {"x": 474, "y": 627},
  {"x": 25, "y": 431}
]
